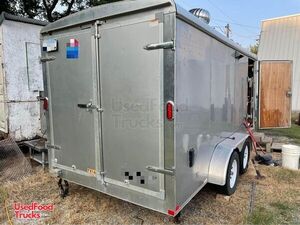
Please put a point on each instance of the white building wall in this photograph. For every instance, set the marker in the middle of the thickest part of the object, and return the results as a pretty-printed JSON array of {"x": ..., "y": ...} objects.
[
  {"x": 280, "y": 40},
  {"x": 23, "y": 78}
]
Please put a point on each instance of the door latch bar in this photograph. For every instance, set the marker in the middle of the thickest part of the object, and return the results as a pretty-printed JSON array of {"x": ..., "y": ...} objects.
[
  {"x": 163, "y": 45},
  {"x": 46, "y": 59},
  {"x": 160, "y": 170},
  {"x": 89, "y": 107}
]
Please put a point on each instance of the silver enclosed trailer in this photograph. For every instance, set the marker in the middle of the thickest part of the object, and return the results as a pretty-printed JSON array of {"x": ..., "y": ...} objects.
[{"x": 146, "y": 103}]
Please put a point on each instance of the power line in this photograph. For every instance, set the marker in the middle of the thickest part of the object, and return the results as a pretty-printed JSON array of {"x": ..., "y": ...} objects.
[
  {"x": 225, "y": 14},
  {"x": 231, "y": 20},
  {"x": 220, "y": 10},
  {"x": 238, "y": 24},
  {"x": 222, "y": 28}
]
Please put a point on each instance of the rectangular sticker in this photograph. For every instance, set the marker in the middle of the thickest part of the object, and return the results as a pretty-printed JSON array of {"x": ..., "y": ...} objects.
[
  {"x": 50, "y": 45},
  {"x": 73, "y": 49}
]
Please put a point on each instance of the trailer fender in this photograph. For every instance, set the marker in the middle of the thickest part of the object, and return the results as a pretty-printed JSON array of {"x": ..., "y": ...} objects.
[{"x": 221, "y": 156}]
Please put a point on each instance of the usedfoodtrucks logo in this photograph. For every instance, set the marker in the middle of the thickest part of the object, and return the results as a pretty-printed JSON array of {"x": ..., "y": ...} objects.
[{"x": 32, "y": 211}]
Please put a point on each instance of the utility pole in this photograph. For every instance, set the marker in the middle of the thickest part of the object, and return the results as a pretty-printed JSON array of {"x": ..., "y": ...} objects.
[{"x": 227, "y": 30}]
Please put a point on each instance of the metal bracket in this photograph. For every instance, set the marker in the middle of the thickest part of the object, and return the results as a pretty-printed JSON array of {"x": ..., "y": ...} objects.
[
  {"x": 97, "y": 33},
  {"x": 46, "y": 59},
  {"x": 238, "y": 55},
  {"x": 56, "y": 147},
  {"x": 160, "y": 170},
  {"x": 163, "y": 45}
]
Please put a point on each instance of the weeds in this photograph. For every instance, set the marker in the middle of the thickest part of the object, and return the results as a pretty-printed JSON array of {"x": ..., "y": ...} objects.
[
  {"x": 261, "y": 216},
  {"x": 274, "y": 213},
  {"x": 284, "y": 175}
]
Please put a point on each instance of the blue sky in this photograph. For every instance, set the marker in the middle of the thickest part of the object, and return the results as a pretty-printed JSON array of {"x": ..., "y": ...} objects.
[{"x": 243, "y": 16}]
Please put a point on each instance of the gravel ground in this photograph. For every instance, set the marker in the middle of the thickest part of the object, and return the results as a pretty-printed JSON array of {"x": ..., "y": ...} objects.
[{"x": 85, "y": 206}]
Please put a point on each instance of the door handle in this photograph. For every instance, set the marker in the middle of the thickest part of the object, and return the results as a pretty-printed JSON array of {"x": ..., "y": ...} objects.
[
  {"x": 288, "y": 94},
  {"x": 89, "y": 107},
  {"x": 82, "y": 106}
]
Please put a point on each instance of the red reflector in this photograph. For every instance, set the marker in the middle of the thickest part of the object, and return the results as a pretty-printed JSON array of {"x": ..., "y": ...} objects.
[
  {"x": 173, "y": 212},
  {"x": 170, "y": 109},
  {"x": 45, "y": 103}
]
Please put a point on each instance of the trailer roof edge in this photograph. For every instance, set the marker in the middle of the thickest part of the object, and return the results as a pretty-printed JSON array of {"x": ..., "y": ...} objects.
[
  {"x": 194, "y": 21},
  {"x": 105, "y": 11},
  {"x": 7, "y": 16}
]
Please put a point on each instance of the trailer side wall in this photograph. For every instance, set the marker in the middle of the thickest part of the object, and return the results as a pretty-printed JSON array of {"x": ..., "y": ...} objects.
[{"x": 211, "y": 97}]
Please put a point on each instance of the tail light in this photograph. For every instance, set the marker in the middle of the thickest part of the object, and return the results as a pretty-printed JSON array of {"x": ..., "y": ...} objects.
[
  {"x": 170, "y": 110},
  {"x": 45, "y": 103}
]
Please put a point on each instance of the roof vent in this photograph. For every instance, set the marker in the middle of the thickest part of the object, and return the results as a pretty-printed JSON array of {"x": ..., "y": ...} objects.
[{"x": 202, "y": 14}]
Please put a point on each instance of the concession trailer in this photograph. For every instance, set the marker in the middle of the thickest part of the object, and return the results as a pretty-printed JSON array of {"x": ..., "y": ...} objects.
[{"x": 146, "y": 103}]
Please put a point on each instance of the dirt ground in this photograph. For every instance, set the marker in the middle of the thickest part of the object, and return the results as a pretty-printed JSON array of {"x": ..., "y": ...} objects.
[{"x": 275, "y": 200}]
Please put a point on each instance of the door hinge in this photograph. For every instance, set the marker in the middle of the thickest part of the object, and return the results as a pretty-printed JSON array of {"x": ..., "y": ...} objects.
[{"x": 97, "y": 24}]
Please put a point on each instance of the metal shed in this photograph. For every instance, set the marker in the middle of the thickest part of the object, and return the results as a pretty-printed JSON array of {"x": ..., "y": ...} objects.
[
  {"x": 146, "y": 103},
  {"x": 279, "y": 41},
  {"x": 21, "y": 78}
]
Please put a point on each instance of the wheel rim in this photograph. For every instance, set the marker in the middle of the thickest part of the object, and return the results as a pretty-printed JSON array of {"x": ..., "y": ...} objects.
[
  {"x": 233, "y": 173},
  {"x": 246, "y": 156}
]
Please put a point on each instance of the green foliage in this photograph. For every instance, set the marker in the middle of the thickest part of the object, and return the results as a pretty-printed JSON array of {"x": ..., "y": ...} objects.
[
  {"x": 3, "y": 195},
  {"x": 100, "y": 2},
  {"x": 254, "y": 48},
  {"x": 293, "y": 132},
  {"x": 285, "y": 175},
  {"x": 261, "y": 216},
  {"x": 8, "y": 6},
  {"x": 275, "y": 213},
  {"x": 49, "y": 10}
]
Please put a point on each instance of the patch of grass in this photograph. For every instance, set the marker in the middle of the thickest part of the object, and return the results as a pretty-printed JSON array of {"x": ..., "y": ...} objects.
[
  {"x": 3, "y": 194},
  {"x": 261, "y": 216},
  {"x": 285, "y": 175},
  {"x": 282, "y": 206},
  {"x": 274, "y": 213},
  {"x": 293, "y": 132}
]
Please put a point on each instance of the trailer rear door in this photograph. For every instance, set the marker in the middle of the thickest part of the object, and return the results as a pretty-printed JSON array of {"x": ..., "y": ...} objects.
[
  {"x": 131, "y": 90},
  {"x": 73, "y": 97}
]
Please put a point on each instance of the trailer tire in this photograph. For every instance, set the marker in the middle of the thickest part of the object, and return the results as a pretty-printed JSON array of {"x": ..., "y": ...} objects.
[
  {"x": 232, "y": 175},
  {"x": 245, "y": 156}
]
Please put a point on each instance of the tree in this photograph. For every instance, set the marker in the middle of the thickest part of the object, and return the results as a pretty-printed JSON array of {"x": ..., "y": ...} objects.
[
  {"x": 50, "y": 10},
  {"x": 254, "y": 48},
  {"x": 100, "y": 2},
  {"x": 69, "y": 6},
  {"x": 7, "y": 6},
  {"x": 30, "y": 8}
]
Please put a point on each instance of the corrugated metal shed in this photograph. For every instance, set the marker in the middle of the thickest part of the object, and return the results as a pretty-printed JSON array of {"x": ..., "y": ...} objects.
[{"x": 280, "y": 40}]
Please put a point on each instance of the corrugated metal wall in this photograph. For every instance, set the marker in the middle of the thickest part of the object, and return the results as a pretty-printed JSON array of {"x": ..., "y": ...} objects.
[{"x": 280, "y": 40}]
